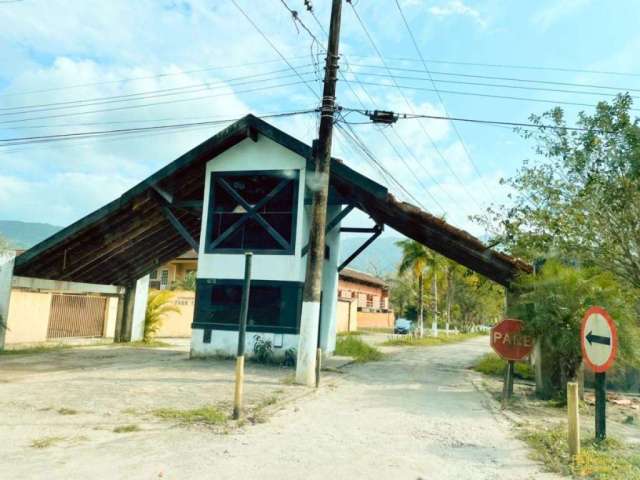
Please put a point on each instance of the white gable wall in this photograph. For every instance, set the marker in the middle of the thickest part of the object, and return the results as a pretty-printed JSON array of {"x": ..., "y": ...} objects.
[{"x": 265, "y": 154}]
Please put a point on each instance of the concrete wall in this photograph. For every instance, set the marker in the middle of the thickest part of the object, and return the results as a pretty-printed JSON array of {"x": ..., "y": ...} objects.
[
  {"x": 112, "y": 316},
  {"x": 28, "y": 317},
  {"x": 225, "y": 343},
  {"x": 179, "y": 324},
  {"x": 346, "y": 316},
  {"x": 375, "y": 320}
]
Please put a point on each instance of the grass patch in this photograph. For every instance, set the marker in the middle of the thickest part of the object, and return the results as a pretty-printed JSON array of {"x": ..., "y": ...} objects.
[
  {"x": 206, "y": 415},
  {"x": 126, "y": 429},
  {"x": 376, "y": 330},
  {"x": 356, "y": 348},
  {"x": 36, "y": 349},
  {"x": 492, "y": 364},
  {"x": 67, "y": 411},
  {"x": 411, "y": 341},
  {"x": 350, "y": 334},
  {"x": 143, "y": 344},
  {"x": 606, "y": 460},
  {"x": 45, "y": 442}
]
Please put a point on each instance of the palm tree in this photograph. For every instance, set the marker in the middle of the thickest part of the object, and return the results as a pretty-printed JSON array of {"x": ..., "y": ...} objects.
[
  {"x": 158, "y": 305},
  {"x": 415, "y": 258},
  {"x": 437, "y": 266}
]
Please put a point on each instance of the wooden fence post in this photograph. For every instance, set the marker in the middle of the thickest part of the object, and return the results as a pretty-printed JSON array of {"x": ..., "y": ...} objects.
[{"x": 573, "y": 418}]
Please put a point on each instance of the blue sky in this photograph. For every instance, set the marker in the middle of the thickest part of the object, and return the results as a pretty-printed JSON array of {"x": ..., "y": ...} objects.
[{"x": 65, "y": 51}]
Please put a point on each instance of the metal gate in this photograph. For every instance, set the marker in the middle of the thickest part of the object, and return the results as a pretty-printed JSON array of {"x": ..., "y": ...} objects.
[{"x": 77, "y": 316}]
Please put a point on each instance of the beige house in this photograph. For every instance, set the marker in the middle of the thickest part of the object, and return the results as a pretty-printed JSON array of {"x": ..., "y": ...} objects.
[
  {"x": 174, "y": 271},
  {"x": 363, "y": 302}
]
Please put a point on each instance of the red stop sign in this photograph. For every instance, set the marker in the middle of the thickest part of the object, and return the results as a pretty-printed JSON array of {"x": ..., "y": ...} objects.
[{"x": 508, "y": 341}]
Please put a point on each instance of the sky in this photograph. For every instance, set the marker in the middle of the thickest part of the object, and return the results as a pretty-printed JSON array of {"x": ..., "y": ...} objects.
[{"x": 74, "y": 66}]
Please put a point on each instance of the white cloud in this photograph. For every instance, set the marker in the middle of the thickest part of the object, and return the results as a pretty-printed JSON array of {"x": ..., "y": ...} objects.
[
  {"x": 457, "y": 8},
  {"x": 547, "y": 16}
]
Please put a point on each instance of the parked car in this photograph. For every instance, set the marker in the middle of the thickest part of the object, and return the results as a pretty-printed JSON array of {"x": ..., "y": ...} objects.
[{"x": 403, "y": 326}]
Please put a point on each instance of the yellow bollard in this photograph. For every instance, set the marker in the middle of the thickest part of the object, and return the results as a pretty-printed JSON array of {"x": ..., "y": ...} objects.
[{"x": 574, "y": 418}]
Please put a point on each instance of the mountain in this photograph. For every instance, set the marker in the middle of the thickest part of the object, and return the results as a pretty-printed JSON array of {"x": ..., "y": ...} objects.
[
  {"x": 379, "y": 258},
  {"x": 25, "y": 235}
]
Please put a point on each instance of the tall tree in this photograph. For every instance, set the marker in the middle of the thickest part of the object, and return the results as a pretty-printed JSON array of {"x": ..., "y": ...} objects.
[
  {"x": 415, "y": 258},
  {"x": 581, "y": 198}
]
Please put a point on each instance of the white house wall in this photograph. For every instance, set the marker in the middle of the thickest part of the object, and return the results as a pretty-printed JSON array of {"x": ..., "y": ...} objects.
[{"x": 225, "y": 342}]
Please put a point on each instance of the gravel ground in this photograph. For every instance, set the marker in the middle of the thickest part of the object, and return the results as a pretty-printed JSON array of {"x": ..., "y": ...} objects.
[{"x": 413, "y": 415}]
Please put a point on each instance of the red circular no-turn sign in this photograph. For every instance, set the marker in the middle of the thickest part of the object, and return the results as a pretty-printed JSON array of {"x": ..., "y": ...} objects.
[{"x": 599, "y": 339}]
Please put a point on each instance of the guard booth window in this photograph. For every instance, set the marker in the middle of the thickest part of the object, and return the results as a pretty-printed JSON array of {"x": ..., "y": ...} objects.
[
  {"x": 252, "y": 211},
  {"x": 274, "y": 306}
]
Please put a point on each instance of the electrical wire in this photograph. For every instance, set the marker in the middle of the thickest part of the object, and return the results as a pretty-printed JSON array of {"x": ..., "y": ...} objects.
[
  {"x": 146, "y": 77},
  {"x": 433, "y": 144},
  {"x": 121, "y": 131},
  {"x": 453, "y": 124},
  {"x": 487, "y": 95},
  {"x": 146, "y": 105},
  {"x": 244, "y": 80},
  {"x": 494, "y": 85},
  {"x": 379, "y": 129},
  {"x": 512, "y": 66},
  {"x": 506, "y": 79}
]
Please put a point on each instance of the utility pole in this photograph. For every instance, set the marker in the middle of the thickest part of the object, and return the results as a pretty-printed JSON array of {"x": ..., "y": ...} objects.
[{"x": 310, "y": 316}]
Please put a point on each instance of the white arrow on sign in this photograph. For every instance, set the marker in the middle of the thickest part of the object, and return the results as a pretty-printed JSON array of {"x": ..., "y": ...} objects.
[{"x": 599, "y": 339}]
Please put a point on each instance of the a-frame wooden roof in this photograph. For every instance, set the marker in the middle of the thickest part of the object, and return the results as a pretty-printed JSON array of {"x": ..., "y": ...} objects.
[{"x": 132, "y": 235}]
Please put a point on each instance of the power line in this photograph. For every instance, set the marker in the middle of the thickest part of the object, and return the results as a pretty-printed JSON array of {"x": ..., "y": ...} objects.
[
  {"x": 146, "y": 105},
  {"x": 510, "y": 79},
  {"x": 146, "y": 77},
  {"x": 151, "y": 93},
  {"x": 410, "y": 116},
  {"x": 487, "y": 95},
  {"x": 100, "y": 133},
  {"x": 512, "y": 66},
  {"x": 453, "y": 124},
  {"x": 493, "y": 85},
  {"x": 379, "y": 129},
  {"x": 433, "y": 144},
  {"x": 271, "y": 44}
]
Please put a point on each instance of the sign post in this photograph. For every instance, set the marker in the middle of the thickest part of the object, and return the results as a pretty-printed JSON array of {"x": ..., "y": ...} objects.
[
  {"x": 242, "y": 328},
  {"x": 508, "y": 341},
  {"x": 599, "y": 342}
]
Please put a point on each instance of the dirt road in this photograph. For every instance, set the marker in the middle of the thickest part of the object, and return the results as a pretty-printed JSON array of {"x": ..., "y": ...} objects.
[{"x": 413, "y": 415}]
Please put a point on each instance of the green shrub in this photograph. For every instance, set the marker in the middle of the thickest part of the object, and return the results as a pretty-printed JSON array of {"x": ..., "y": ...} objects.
[
  {"x": 263, "y": 351},
  {"x": 492, "y": 364},
  {"x": 356, "y": 348},
  {"x": 290, "y": 357}
]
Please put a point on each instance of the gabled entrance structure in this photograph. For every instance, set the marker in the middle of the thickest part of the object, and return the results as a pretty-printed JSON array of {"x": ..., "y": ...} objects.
[{"x": 247, "y": 188}]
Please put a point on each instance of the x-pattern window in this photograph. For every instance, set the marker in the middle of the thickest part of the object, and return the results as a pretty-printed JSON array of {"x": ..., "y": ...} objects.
[{"x": 252, "y": 211}]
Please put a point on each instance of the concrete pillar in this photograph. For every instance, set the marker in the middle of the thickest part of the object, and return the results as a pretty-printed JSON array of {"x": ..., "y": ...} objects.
[
  {"x": 330, "y": 287},
  {"x": 139, "y": 308},
  {"x": 7, "y": 261},
  {"x": 125, "y": 314}
]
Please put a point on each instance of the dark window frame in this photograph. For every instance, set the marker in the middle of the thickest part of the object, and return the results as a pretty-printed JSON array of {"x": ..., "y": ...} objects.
[
  {"x": 210, "y": 240},
  {"x": 201, "y": 315}
]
